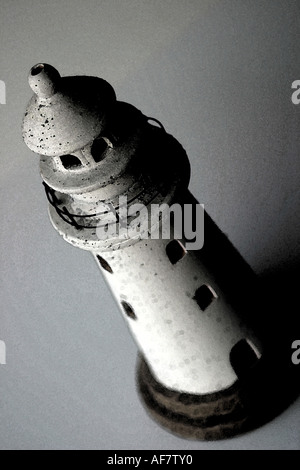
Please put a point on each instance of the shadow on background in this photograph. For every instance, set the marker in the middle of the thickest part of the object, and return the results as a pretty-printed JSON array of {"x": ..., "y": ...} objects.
[{"x": 263, "y": 389}]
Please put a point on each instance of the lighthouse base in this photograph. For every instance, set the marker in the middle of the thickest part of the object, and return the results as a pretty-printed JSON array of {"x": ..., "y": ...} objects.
[{"x": 244, "y": 406}]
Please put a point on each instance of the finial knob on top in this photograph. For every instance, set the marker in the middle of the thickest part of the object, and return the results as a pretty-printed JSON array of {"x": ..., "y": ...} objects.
[
  {"x": 65, "y": 113},
  {"x": 43, "y": 80}
]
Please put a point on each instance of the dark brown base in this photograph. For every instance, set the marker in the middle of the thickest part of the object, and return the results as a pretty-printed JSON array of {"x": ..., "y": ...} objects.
[{"x": 238, "y": 409}]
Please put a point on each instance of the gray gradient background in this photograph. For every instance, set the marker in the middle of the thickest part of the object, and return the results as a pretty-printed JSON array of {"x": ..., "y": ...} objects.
[{"x": 218, "y": 75}]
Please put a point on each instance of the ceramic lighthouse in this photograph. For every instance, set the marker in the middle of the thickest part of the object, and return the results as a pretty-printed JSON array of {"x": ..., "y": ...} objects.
[{"x": 106, "y": 169}]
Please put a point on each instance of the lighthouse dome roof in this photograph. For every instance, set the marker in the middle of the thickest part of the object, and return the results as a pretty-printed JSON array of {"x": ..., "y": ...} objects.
[{"x": 65, "y": 113}]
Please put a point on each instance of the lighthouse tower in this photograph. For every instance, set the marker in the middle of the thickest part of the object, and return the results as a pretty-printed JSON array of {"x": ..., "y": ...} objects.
[{"x": 105, "y": 166}]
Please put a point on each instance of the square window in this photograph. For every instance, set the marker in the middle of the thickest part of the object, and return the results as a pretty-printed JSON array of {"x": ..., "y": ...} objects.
[
  {"x": 175, "y": 251},
  {"x": 243, "y": 357},
  {"x": 204, "y": 296}
]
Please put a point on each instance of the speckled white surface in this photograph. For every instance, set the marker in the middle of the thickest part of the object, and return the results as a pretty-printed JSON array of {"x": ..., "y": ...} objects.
[
  {"x": 187, "y": 349},
  {"x": 218, "y": 75}
]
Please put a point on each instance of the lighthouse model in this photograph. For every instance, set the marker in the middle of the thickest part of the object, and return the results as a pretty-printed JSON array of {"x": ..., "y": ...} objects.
[{"x": 115, "y": 179}]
